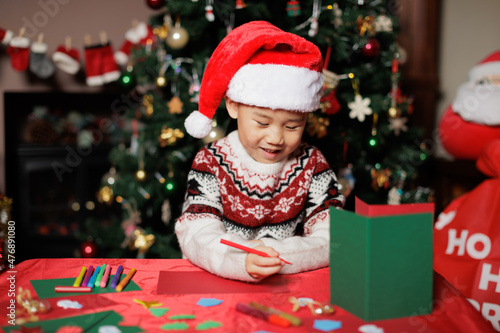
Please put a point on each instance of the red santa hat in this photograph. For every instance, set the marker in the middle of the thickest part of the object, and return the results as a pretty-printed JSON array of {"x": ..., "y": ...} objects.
[
  {"x": 67, "y": 59},
  {"x": 473, "y": 118},
  {"x": 5, "y": 36},
  {"x": 261, "y": 65}
]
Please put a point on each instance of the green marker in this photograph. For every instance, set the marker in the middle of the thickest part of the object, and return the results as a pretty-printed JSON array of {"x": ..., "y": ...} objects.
[{"x": 99, "y": 277}]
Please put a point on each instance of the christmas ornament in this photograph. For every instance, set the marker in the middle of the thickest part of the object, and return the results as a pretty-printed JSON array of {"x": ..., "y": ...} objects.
[
  {"x": 177, "y": 36},
  {"x": 67, "y": 58},
  {"x": 105, "y": 195},
  {"x": 18, "y": 51},
  {"x": 398, "y": 124},
  {"x": 360, "y": 106},
  {"x": 141, "y": 242},
  {"x": 216, "y": 133},
  {"x": 88, "y": 249},
  {"x": 346, "y": 180},
  {"x": 313, "y": 20},
  {"x": 169, "y": 136},
  {"x": 329, "y": 103},
  {"x": 138, "y": 35},
  {"x": 293, "y": 8},
  {"x": 383, "y": 23},
  {"x": 175, "y": 105},
  {"x": 380, "y": 178},
  {"x": 317, "y": 126},
  {"x": 365, "y": 25},
  {"x": 147, "y": 103},
  {"x": 337, "y": 15},
  {"x": 393, "y": 110},
  {"x": 166, "y": 212},
  {"x": 155, "y": 4},
  {"x": 394, "y": 196},
  {"x": 40, "y": 63},
  {"x": 209, "y": 11},
  {"x": 240, "y": 4},
  {"x": 371, "y": 49}
]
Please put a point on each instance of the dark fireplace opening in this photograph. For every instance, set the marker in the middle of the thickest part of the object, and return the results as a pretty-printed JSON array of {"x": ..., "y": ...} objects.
[{"x": 57, "y": 146}]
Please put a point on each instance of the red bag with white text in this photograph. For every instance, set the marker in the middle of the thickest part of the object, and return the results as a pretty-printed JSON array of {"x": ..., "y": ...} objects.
[{"x": 467, "y": 239}]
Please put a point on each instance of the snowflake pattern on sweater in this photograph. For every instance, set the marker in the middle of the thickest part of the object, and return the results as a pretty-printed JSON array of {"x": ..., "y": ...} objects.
[{"x": 256, "y": 200}]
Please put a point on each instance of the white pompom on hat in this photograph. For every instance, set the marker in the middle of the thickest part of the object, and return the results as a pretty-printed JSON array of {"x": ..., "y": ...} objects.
[{"x": 261, "y": 65}]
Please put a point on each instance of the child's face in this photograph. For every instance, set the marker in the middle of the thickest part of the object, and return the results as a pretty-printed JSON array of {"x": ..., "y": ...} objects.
[{"x": 267, "y": 135}]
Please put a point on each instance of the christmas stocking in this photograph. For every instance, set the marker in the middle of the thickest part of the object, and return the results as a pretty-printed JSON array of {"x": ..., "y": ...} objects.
[
  {"x": 5, "y": 36},
  {"x": 67, "y": 59},
  {"x": 40, "y": 64},
  {"x": 19, "y": 53},
  {"x": 135, "y": 36}
]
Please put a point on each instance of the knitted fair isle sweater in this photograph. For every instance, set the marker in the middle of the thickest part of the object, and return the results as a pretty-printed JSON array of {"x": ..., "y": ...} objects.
[{"x": 285, "y": 205}]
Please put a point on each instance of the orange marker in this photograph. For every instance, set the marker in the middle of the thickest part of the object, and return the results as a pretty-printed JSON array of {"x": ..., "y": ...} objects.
[{"x": 125, "y": 280}]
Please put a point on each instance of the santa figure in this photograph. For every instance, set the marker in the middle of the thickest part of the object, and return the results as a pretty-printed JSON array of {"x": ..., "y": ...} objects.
[{"x": 467, "y": 232}]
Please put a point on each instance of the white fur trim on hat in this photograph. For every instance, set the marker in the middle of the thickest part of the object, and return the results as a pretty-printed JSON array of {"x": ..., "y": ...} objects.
[
  {"x": 277, "y": 87},
  {"x": 65, "y": 62},
  {"x": 198, "y": 125},
  {"x": 482, "y": 70}
]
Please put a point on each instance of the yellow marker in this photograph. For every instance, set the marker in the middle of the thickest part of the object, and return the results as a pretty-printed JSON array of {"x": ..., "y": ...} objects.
[
  {"x": 125, "y": 280},
  {"x": 79, "y": 279}
]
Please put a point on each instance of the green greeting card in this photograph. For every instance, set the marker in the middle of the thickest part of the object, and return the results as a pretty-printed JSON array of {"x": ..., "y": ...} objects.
[{"x": 381, "y": 260}]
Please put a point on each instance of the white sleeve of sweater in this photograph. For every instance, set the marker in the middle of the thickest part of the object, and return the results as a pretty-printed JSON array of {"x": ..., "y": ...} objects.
[
  {"x": 305, "y": 252},
  {"x": 199, "y": 240}
]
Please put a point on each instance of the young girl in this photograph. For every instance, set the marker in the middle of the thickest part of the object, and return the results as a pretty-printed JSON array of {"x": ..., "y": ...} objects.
[{"x": 260, "y": 186}]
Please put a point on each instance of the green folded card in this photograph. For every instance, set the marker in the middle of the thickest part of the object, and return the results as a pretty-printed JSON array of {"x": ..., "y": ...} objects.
[{"x": 381, "y": 260}]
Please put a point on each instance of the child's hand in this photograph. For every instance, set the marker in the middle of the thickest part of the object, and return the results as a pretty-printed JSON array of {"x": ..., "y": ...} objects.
[{"x": 260, "y": 267}]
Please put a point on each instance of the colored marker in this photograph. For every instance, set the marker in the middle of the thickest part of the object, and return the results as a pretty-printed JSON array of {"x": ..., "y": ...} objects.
[
  {"x": 87, "y": 276},
  {"x": 94, "y": 277},
  {"x": 248, "y": 249},
  {"x": 99, "y": 277},
  {"x": 272, "y": 318},
  {"x": 295, "y": 321},
  {"x": 116, "y": 278},
  {"x": 105, "y": 277},
  {"x": 79, "y": 279},
  {"x": 69, "y": 289},
  {"x": 125, "y": 280}
]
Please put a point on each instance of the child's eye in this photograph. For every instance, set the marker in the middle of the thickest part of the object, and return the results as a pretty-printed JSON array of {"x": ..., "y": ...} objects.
[
  {"x": 292, "y": 127},
  {"x": 262, "y": 124}
]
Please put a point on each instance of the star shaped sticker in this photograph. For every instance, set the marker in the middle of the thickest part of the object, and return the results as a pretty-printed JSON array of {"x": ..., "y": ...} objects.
[
  {"x": 360, "y": 108},
  {"x": 175, "y": 105},
  {"x": 147, "y": 304}
]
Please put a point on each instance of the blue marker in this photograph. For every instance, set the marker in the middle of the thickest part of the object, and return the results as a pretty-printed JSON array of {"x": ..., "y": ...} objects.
[
  {"x": 116, "y": 278},
  {"x": 93, "y": 277}
]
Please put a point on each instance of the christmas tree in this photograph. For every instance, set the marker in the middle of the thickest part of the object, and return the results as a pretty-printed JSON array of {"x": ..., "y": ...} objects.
[{"x": 363, "y": 127}]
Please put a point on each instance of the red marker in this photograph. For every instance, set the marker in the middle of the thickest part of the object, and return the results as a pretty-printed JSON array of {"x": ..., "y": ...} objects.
[
  {"x": 248, "y": 249},
  {"x": 272, "y": 318}
]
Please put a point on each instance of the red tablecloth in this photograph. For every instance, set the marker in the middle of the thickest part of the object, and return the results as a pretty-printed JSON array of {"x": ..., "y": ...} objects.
[{"x": 452, "y": 312}]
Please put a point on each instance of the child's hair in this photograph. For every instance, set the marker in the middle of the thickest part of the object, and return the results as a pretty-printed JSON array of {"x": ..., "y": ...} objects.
[{"x": 261, "y": 65}]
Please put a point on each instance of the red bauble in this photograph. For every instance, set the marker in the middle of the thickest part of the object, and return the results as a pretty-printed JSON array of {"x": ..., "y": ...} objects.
[
  {"x": 88, "y": 249},
  {"x": 155, "y": 4},
  {"x": 371, "y": 49}
]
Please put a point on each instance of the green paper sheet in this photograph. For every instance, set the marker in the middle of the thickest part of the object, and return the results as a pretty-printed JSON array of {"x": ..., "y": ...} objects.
[
  {"x": 158, "y": 312},
  {"x": 90, "y": 323},
  {"x": 45, "y": 288}
]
